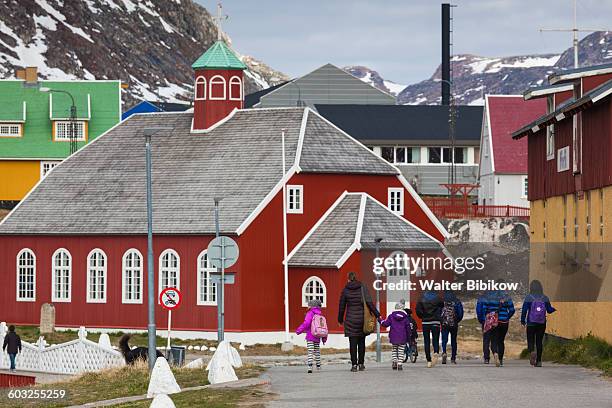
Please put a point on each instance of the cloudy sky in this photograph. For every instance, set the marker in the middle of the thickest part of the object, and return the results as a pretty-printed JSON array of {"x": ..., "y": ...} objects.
[{"x": 398, "y": 38}]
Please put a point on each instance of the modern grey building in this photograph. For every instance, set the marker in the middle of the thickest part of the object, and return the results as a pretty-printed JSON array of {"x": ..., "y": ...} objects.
[
  {"x": 325, "y": 85},
  {"x": 416, "y": 139}
]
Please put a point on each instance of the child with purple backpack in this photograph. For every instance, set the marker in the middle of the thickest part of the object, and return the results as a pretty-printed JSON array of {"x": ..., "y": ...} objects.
[
  {"x": 399, "y": 334},
  {"x": 315, "y": 327},
  {"x": 533, "y": 315}
]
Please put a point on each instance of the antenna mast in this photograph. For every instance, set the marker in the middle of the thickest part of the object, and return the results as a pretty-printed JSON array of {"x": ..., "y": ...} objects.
[{"x": 574, "y": 30}]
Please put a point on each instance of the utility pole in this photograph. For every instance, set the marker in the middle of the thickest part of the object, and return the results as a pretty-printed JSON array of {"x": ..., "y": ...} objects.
[{"x": 574, "y": 30}]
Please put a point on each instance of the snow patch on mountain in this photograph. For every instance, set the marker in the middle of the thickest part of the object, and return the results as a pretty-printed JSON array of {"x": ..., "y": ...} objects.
[{"x": 373, "y": 78}]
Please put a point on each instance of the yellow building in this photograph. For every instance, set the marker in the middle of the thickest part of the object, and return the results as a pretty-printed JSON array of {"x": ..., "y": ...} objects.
[{"x": 570, "y": 190}]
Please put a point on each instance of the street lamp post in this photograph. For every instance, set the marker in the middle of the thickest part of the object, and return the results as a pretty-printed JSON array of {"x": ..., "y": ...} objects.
[
  {"x": 73, "y": 115},
  {"x": 151, "y": 329},
  {"x": 377, "y": 242}
]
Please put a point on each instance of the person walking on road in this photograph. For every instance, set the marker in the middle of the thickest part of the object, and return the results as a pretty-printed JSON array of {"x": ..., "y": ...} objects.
[
  {"x": 12, "y": 345},
  {"x": 429, "y": 310},
  {"x": 500, "y": 304},
  {"x": 533, "y": 315},
  {"x": 452, "y": 314},
  {"x": 315, "y": 332},
  {"x": 399, "y": 335},
  {"x": 486, "y": 336},
  {"x": 351, "y": 316}
]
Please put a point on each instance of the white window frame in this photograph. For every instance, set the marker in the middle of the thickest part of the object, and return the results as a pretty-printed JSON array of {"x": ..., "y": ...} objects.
[
  {"x": 136, "y": 272},
  {"x": 233, "y": 82},
  {"x": 54, "y": 271},
  {"x": 50, "y": 164},
  {"x": 7, "y": 129},
  {"x": 305, "y": 294},
  {"x": 80, "y": 137},
  {"x": 524, "y": 183},
  {"x": 391, "y": 192},
  {"x": 199, "y": 80},
  {"x": 215, "y": 81},
  {"x": 100, "y": 276},
  {"x": 294, "y": 207},
  {"x": 211, "y": 288},
  {"x": 566, "y": 154},
  {"x": 169, "y": 251},
  {"x": 550, "y": 142},
  {"x": 19, "y": 269}
]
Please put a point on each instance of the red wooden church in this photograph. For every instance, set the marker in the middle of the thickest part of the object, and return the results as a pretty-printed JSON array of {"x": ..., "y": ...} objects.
[{"x": 79, "y": 237}]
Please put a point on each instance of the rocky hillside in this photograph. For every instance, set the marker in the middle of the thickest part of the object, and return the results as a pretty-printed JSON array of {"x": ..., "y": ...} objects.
[
  {"x": 373, "y": 78},
  {"x": 475, "y": 76},
  {"x": 148, "y": 44}
]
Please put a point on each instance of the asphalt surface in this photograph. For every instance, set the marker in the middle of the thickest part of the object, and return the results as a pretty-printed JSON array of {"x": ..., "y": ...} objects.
[{"x": 469, "y": 384}]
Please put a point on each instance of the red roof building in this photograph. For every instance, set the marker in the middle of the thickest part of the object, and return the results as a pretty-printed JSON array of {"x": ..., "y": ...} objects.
[{"x": 503, "y": 161}]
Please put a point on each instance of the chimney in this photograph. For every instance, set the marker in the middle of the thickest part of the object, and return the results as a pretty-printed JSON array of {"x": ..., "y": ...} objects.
[
  {"x": 446, "y": 44},
  {"x": 31, "y": 75},
  {"x": 218, "y": 86},
  {"x": 20, "y": 74}
]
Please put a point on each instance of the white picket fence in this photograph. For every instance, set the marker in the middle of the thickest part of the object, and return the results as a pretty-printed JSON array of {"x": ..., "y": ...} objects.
[{"x": 74, "y": 357}]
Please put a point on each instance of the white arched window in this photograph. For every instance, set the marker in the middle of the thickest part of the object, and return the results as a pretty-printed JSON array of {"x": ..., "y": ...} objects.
[
  {"x": 207, "y": 290},
  {"x": 61, "y": 275},
  {"x": 398, "y": 271},
  {"x": 314, "y": 288},
  {"x": 131, "y": 277},
  {"x": 200, "y": 88},
  {"x": 235, "y": 88},
  {"x": 169, "y": 270},
  {"x": 217, "y": 88},
  {"x": 96, "y": 276},
  {"x": 26, "y": 276}
]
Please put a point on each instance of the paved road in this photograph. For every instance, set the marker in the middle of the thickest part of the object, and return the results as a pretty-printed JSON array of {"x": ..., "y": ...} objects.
[{"x": 469, "y": 384}]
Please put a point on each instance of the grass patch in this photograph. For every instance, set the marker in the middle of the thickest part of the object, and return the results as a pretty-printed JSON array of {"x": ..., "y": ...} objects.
[
  {"x": 118, "y": 382},
  {"x": 588, "y": 351},
  {"x": 210, "y": 399}
]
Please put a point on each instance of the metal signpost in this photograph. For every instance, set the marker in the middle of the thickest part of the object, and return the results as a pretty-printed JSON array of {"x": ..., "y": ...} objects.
[
  {"x": 222, "y": 253},
  {"x": 170, "y": 299}
]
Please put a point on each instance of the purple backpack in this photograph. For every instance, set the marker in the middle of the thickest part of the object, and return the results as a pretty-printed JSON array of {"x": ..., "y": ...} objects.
[{"x": 537, "y": 311}]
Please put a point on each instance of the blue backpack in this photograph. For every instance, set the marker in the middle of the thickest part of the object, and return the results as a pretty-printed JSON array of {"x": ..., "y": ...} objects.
[{"x": 537, "y": 311}]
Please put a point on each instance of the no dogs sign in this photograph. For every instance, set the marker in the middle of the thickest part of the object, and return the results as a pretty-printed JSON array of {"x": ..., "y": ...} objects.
[{"x": 170, "y": 298}]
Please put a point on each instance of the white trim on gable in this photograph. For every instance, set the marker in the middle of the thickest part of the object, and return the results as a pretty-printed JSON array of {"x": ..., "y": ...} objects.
[
  {"x": 300, "y": 145},
  {"x": 317, "y": 224},
  {"x": 360, "y": 217},
  {"x": 490, "y": 137},
  {"x": 347, "y": 255},
  {"x": 423, "y": 206},
  {"x": 267, "y": 199}
]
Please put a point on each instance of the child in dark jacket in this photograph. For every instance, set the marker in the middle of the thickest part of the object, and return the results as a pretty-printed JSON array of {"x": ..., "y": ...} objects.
[
  {"x": 399, "y": 334},
  {"x": 312, "y": 341}
]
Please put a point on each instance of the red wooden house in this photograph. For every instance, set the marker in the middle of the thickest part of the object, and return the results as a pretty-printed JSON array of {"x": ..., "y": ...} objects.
[
  {"x": 570, "y": 190},
  {"x": 79, "y": 237}
]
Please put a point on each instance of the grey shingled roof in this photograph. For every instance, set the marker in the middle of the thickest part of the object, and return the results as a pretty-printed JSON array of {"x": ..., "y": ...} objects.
[
  {"x": 326, "y": 151},
  {"x": 101, "y": 188},
  {"x": 331, "y": 239}
]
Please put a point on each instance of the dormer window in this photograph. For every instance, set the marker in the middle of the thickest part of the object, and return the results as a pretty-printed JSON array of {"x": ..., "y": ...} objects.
[
  {"x": 217, "y": 88},
  {"x": 200, "y": 88},
  {"x": 235, "y": 86},
  {"x": 62, "y": 130},
  {"x": 11, "y": 129}
]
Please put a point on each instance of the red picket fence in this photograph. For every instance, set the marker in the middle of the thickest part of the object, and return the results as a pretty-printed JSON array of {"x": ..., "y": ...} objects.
[
  {"x": 446, "y": 207},
  {"x": 15, "y": 380}
]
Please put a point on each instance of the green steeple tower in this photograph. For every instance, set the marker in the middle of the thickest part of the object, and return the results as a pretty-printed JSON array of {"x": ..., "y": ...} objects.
[{"x": 218, "y": 56}]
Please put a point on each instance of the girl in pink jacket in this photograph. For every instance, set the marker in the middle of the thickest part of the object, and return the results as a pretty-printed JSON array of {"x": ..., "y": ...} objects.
[{"x": 312, "y": 341}]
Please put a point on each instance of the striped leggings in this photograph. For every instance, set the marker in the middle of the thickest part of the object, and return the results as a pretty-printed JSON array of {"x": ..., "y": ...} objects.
[
  {"x": 314, "y": 353},
  {"x": 396, "y": 351}
]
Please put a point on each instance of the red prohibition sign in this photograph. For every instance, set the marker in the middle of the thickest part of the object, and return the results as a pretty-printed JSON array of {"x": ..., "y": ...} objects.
[{"x": 170, "y": 298}]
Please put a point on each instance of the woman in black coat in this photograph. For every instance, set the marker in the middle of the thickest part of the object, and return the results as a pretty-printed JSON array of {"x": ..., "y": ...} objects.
[{"x": 350, "y": 315}]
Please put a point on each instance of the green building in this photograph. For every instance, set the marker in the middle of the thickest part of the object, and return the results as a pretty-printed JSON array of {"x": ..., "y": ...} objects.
[{"x": 35, "y": 125}]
